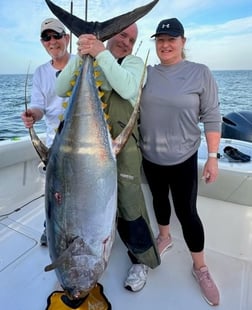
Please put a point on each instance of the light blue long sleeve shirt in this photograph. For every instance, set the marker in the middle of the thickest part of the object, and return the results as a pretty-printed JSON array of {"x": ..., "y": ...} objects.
[{"x": 125, "y": 79}]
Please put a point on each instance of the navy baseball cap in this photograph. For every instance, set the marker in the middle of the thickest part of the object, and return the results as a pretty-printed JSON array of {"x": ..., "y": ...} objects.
[{"x": 172, "y": 27}]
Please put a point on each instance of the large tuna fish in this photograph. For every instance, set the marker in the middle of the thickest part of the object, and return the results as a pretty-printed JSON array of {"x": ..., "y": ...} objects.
[{"x": 81, "y": 173}]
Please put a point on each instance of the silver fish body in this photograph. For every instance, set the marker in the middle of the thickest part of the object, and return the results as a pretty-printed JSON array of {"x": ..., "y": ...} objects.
[{"x": 81, "y": 191}]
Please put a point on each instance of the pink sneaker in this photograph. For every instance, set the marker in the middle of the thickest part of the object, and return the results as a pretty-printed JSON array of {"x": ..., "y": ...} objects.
[
  {"x": 163, "y": 244},
  {"x": 208, "y": 288}
]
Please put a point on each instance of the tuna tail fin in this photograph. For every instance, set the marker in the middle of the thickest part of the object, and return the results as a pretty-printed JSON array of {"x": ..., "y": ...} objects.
[{"x": 103, "y": 30}]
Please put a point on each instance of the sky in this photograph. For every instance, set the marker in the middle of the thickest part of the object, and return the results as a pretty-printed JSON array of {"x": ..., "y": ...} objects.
[{"x": 219, "y": 33}]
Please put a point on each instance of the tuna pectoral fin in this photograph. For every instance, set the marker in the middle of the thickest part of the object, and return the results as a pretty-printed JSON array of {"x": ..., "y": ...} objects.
[
  {"x": 66, "y": 255},
  {"x": 39, "y": 146},
  {"x": 58, "y": 262},
  {"x": 103, "y": 30}
]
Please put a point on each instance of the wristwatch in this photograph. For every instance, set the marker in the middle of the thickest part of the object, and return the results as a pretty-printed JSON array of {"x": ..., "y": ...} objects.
[{"x": 214, "y": 155}]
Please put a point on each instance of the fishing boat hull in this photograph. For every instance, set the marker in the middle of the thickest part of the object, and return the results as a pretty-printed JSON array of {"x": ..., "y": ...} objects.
[
  {"x": 25, "y": 285},
  {"x": 234, "y": 183}
]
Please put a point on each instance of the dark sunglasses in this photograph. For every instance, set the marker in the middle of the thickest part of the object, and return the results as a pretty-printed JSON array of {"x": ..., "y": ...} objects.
[{"x": 56, "y": 36}]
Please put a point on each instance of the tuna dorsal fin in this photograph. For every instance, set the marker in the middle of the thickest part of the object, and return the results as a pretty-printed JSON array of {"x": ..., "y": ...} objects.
[
  {"x": 39, "y": 146},
  {"x": 122, "y": 138},
  {"x": 103, "y": 30}
]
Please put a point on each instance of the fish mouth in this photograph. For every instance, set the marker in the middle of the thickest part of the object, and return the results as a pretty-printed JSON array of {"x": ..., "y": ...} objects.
[{"x": 73, "y": 303}]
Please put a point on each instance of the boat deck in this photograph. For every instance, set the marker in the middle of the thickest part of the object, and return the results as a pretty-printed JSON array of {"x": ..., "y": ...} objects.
[{"x": 25, "y": 285}]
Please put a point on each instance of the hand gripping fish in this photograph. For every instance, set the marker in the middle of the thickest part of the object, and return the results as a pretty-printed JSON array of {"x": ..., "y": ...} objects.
[{"x": 81, "y": 172}]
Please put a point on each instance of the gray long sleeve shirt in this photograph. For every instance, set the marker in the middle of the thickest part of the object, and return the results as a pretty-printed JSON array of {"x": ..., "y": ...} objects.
[{"x": 174, "y": 100}]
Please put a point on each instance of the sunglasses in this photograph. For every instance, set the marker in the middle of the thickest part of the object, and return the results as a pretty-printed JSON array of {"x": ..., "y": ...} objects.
[{"x": 56, "y": 36}]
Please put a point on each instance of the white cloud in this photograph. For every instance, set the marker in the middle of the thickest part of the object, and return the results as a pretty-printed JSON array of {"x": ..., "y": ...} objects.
[{"x": 227, "y": 52}]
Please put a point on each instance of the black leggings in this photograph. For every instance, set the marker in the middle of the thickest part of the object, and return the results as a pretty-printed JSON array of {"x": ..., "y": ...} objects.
[{"x": 182, "y": 180}]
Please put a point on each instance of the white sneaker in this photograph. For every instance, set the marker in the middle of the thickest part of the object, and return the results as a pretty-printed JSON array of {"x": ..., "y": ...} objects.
[{"x": 137, "y": 277}]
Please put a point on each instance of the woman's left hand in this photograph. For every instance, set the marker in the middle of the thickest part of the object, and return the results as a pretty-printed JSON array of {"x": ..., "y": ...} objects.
[{"x": 210, "y": 171}]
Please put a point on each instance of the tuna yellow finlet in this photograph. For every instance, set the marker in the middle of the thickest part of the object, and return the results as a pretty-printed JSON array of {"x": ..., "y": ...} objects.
[{"x": 65, "y": 104}]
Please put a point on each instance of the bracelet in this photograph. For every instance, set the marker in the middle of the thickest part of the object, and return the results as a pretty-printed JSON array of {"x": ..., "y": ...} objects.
[{"x": 214, "y": 155}]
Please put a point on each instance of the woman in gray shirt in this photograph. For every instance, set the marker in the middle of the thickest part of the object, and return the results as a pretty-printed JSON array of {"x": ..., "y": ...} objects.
[{"x": 177, "y": 96}]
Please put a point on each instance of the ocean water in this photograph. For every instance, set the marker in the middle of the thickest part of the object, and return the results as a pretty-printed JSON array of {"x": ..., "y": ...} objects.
[
  {"x": 235, "y": 94},
  {"x": 15, "y": 90}
]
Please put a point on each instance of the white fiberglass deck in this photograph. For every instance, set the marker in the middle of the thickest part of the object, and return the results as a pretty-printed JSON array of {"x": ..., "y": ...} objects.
[{"x": 25, "y": 285}]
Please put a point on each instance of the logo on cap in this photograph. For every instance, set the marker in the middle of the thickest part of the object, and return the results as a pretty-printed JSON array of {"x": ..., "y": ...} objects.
[{"x": 166, "y": 26}]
